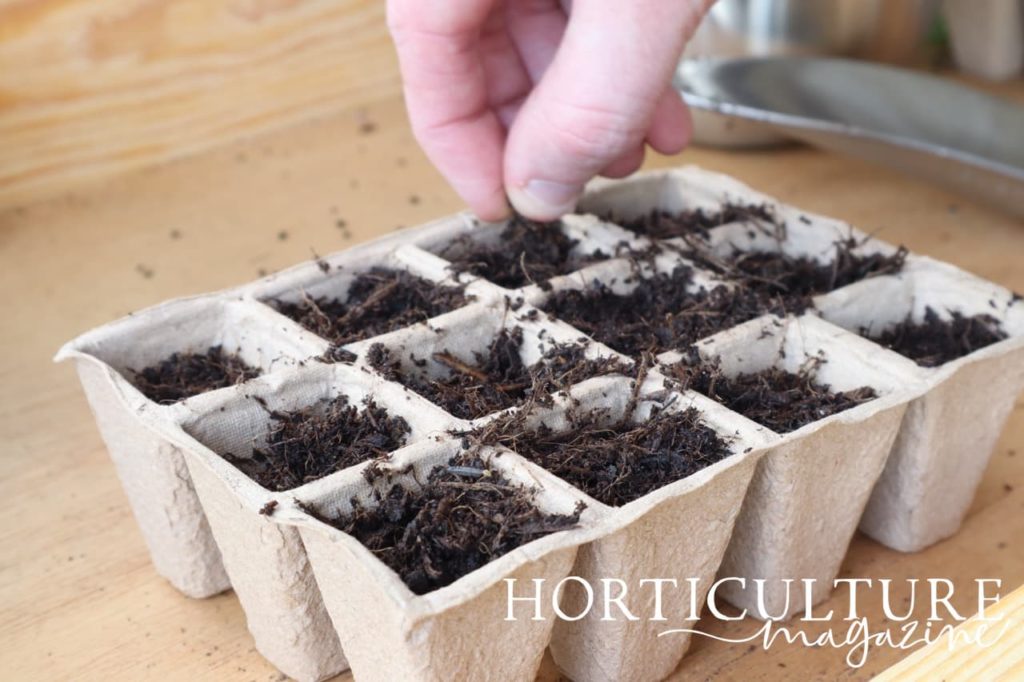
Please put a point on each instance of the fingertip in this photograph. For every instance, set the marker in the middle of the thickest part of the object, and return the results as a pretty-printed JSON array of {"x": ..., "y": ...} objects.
[{"x": 544, "y": 199}]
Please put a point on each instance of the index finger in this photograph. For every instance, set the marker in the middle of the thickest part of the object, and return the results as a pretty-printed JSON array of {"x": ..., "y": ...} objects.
[{"x": 447, "y": 97}]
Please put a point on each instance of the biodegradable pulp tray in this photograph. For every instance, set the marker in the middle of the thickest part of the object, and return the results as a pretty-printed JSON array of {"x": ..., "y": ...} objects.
[{"x": 807, "y": 489}]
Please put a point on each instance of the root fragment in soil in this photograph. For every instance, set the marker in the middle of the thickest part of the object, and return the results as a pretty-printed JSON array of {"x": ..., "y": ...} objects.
[
  {"x": 934, "y": 341},
  {"x": 780, "y": 400},
  {"x": 379, "y": 300},
  {"x": 497, "y": 379},
  {"x": 310, "y": 443},
  {"x": 183, "y": 375},
  {"x": 466, "y": 515}
]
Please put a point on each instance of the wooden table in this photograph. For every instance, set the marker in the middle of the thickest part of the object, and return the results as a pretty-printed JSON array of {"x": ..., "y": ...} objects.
[{"x": 79, "y": 597}]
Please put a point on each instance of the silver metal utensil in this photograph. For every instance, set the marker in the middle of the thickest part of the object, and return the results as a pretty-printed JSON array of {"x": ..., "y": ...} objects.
[{"x": 924, "y": 125}]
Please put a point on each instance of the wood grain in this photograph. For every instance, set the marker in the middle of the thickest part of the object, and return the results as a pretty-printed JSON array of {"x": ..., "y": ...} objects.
[
  {"x": 90, "y": 88},
  {"x": 78, "y": 596},
  {"x": 964, "y": 660}
]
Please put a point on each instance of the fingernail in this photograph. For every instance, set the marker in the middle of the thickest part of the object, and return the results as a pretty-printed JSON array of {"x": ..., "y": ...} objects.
[{"x": 544, "y": 199}]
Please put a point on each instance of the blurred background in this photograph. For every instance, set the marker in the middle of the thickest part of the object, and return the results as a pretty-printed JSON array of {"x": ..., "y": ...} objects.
[{"x": 90, "y": 88}]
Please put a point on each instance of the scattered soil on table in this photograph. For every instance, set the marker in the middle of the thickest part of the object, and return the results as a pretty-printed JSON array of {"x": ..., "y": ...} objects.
[
  {"x": 310, "y": 443},
  {"x": 527, "y": 252},
  {"x": 615, "y": 462},
  {"x": 379, "y": 301},
  {"x": 666, "y": 225},
  {"x": 935, "y": 341},
  {"x": 497, "y": 379},
  {"x": 184, "y": 375},
  {"x": 465, "y": 516},
  {"x": 782, "y": 401}
]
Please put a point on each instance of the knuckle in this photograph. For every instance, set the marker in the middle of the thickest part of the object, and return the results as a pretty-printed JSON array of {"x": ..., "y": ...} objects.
[{"x": 595, "y": 133}]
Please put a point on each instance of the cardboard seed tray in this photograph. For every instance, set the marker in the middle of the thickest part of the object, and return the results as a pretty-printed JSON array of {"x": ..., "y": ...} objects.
[
  {"x": 949, "y": 433},
  {"x": 782, "y": 506}
]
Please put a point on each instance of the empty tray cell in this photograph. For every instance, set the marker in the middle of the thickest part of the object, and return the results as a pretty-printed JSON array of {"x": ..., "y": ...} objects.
[
  {"x": 342, "y": 304},
  {"x": 112, "y": 362},
  {"x": 341, "y": 406},
  {"x": 813, "y": 484},
  {"x": 522, "y": 253},
  {"x": 648, "y": 460},
  {"x": 966, "y": 337},
  {"x": 417, "y": 610},
  {"x": 489, "y": 358}
]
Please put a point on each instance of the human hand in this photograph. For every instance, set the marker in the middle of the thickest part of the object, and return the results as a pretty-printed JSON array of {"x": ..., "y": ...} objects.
[{"x": 525, "y": 99}]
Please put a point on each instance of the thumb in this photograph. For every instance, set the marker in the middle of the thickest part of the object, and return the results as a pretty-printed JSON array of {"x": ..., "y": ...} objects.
[{"x": 596, "y": 101}]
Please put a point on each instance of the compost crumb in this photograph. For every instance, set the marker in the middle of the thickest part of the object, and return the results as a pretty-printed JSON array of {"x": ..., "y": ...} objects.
[
  {"x": 660, "y": 224},
  {"x": 466, "y": 515},
  {"x": 184, "y": 375},
  {"x": 613, "y": 461},
  {"x": 379, "y": 301},
  {"x": 307, "y": 444},
  {"x": 527, "y": 252},
  {"x": 783, "y": 401},
  {"x": 497, "y": 379},
  {"x": 935, "y": 341}
]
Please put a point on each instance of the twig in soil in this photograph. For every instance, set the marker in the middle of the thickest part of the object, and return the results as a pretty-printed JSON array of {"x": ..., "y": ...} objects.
[{"x": 497, "y": 379}]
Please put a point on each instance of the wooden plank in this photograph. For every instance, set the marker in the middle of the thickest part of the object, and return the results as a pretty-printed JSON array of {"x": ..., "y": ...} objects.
[
  {"x": 89, "y": 88},
  {"x": 960, "y": 657},
  {"x": 78, "y": 596}
]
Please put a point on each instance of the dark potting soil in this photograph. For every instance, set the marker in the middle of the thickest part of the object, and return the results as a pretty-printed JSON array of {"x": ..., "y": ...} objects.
[
  {"x": 935, "y": 341},
  {"x": 659, "y": 314},
  {"x": 307, "y": 444},
  {"x": 774, "y": 275},
  {"x": 613, "y": 462},
  {"x": 666, "y": 225},
  {"x": 184, "y": 375},
  {"x": 527, "y": 252},
  {"x": 378, "y": 301},
  {"x": 782, "y": 401},
  {"x": 497, "y": 379},
  {"x": 465, "y": 516}
]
